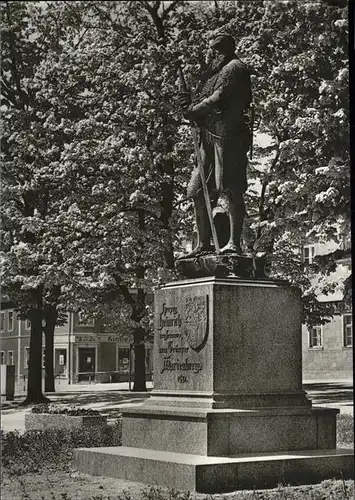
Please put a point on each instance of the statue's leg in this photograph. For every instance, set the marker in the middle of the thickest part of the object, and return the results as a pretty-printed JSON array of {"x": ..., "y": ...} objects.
[
  {"x": 203, "y": 227},
  {"x": 236, "y": 213},
  {"x": 231, "y": 161},
  {"x": 202, "y": 223}
]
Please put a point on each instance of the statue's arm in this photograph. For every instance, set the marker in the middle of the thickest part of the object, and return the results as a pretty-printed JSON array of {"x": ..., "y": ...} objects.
[{"x": 227, "y": 87}]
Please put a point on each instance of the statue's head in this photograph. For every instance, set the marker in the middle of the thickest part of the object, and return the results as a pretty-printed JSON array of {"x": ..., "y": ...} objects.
[{"x": 222, "y": 43}]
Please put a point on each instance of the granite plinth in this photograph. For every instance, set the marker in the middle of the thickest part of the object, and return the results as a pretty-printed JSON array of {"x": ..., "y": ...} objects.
[
  {"x": 203, "y": 474},
  {"x": 228, "y": 343},
  {"x": 221, "y": 265}
]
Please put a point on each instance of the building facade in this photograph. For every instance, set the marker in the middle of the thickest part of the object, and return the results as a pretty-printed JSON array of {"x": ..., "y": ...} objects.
[
  {"x": 327, "y": 349},
  {"x": 82, "y": 353}
]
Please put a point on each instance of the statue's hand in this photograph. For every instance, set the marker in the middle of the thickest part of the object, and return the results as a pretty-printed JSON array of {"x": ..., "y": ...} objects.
[
  {"x": 184, "y": 99},
  {"x": 189, "y": 114}
]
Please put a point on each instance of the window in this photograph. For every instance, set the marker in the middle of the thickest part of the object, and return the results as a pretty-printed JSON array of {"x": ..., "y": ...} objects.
[
  {"x": 61, "y": 357},
  {"x": 28, "y": 324},
  {"x": 84, "y": 321},
  {"x": 10, "y": 357},
  {"x": 11, "y": 321},
  {"x": 2, "y": 321},
  {"x": 315, "y": 337},
  {"x": 308, "y": 254},
  {"x": 27, "y": 357},
  {"x": 348, "y": 330},
  {"x": 2, "y": 358}
]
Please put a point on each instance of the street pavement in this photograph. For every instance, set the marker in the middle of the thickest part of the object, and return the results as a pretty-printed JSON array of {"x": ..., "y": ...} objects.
[
  {"x": 111, "y": 398},
  {"x": 108, "y": 398}
]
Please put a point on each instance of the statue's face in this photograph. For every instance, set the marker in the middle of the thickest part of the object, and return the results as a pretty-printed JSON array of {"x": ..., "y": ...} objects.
[
  {"x": 214, "y": 56},
  {"x": 216, "y": 45}
]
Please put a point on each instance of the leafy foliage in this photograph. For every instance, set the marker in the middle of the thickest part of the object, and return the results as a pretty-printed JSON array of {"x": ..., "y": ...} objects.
[
  {"x": 57, "y": 409},
  {"x": 52, "y": 449},
  {"x": 345, "y": 430}
]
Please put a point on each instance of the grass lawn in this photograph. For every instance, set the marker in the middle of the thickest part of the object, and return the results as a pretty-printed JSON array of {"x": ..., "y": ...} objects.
[{"x": 38, "y": 466}]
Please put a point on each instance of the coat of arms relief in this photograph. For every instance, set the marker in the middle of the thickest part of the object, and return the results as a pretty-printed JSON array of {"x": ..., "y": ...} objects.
[{"x": 195, "y": 321}]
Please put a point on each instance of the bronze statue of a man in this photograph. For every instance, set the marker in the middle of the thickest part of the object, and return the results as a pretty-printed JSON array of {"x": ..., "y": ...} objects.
[{"x": 219, "y": 109}]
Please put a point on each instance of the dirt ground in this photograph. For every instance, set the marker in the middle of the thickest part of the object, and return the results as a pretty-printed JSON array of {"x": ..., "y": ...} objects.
[
  {"x": 66, "y": 486},
  {"x": 77, "y": 486}
]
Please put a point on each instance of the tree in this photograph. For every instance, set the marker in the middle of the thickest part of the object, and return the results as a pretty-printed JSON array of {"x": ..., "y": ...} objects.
[
  {"x": 32, "y": 176},
  {"x": 127, "y": 198},
  {"x": 72, "y": 142}
]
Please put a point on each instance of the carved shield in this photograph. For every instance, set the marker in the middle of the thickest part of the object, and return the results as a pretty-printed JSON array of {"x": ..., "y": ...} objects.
[{"x": 195, "y": 321}]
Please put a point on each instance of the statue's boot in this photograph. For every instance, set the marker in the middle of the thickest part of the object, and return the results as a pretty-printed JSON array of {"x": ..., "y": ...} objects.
[
  {"x": 231, "y": 248},
  {"x": 203, "y": 229},
  {"x": 236, "y": 213}
]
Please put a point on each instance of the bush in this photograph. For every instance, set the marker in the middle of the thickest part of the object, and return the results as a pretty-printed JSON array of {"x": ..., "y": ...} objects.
[
  {"x": 51, "y": 449},
  {"x": 55, "y": 409},
  {"x": 345, "y": 430}
]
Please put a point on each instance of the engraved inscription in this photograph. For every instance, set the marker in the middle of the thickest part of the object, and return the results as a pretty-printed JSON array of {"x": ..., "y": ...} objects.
[
  {"x": 167, "y": 335},
  {"x": 182, "y": 330},
  {"x": 171, "y": 349},
  {"x": 169, "y": 317},
  {"x": 185, "y": 366}
]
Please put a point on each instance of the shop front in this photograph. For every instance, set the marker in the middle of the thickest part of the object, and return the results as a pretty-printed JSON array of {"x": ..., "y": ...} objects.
[{"x": 103, "y": 358}]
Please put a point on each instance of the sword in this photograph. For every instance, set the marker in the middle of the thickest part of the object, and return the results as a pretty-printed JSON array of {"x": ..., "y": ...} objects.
[
  {"x": 200, "y": 166},
  {"x": 252, "y": 117}
]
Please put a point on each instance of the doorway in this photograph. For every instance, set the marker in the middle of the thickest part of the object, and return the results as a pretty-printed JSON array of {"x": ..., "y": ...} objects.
[{"x": 86, "y": 364}]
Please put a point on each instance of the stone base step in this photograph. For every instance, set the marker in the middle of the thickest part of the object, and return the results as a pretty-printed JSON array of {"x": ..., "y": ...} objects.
[
  {"x": 226, "y": 432},
  {"x": 187, "y": 472}
]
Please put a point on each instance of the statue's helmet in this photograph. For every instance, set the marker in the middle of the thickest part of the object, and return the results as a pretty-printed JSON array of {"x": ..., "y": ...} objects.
[{"x": 223, "y": 42}]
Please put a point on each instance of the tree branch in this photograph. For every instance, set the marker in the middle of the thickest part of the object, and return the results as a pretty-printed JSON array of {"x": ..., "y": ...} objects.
[
  {"x": 216, "y": 7},
  {"x": 158, "y": 21},
  {"x": 146, "y": 5},
  {"x": 13, "y": 56},
  {"x": 8, "y": 93},
  {"x": 263, "y": 189},
  {"x": 126, "y": 294},
  {"x": 172, "y": 6}
]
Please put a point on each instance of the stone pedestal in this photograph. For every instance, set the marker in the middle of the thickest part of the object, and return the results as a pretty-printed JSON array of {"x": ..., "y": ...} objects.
[
  {"x": 228, "y": 409},
  {"x": 228, "y": 343}
]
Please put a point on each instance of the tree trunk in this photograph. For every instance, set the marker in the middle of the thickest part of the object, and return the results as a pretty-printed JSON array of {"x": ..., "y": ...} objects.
[
  {"x": 138, "y": 313},
  {"x": 51, "y": 319},
  {"x": 34, "y": 386},
  {"x": 139, "y": 360},
  {"x": 139, "y": 364}
]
